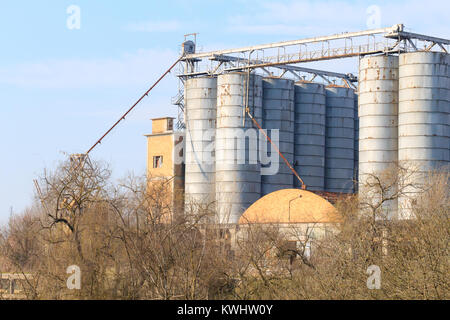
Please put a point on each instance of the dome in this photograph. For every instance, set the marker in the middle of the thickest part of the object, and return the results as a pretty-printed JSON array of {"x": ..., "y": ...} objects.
[{"x": 290, "y": 206}]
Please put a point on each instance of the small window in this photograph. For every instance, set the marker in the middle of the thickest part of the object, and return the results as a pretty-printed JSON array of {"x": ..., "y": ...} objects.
[
  {"x": 170, "y": 124},
  {"x": 157, "y": 161}
]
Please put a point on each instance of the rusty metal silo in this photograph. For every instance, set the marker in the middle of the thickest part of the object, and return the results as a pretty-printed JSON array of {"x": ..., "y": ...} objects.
[
  {"x": 424, "y": 124},
  {"x": 200, "y": 121},
  {"x": 378, "y": 121}
]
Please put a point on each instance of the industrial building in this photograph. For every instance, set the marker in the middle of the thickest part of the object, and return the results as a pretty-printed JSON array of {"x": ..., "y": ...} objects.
[
  {"x": 254, "y": 122},
  {"x": 165, "y": 156}
]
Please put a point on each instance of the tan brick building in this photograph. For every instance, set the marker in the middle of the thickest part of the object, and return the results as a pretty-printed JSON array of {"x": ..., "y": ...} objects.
[{"x": 165, "y": 161}]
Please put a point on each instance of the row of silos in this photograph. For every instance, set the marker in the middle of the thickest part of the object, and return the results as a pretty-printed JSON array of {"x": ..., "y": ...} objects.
[
  {"x": 313, "y": 125},
  {"x": 404, "y": 110}
]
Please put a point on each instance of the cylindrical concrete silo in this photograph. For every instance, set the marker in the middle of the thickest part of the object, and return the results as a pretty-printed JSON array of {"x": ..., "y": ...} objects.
[
  {"x": 378, "y": 120},
  {"x": 278, "y": 114},
  {"x": 200, "y": 120},
  {"x": 238, "y": 172},
  {"x": 309, "y": 137},
  {"x": 339, "y": 139},
  {"x": 423, "y": 128}
]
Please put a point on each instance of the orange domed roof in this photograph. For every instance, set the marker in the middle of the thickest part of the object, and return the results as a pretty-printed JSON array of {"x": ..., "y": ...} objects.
[{"x": 290, "y": 206}]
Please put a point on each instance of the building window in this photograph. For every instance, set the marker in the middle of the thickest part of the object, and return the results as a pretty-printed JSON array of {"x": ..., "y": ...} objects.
[
  {"x": 169, "y": 124},
  {"x": 157, "y": 161}
]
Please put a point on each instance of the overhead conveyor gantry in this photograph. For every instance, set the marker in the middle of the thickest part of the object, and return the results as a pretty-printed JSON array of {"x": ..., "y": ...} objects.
[
  {"x": 279, "y": 54},
  {"x": 282, "y": 58},
  {"x": 289, "y": 53}
]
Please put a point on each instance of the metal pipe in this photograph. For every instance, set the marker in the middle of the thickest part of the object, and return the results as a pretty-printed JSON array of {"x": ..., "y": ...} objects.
[{"x": 134, "y": 105}]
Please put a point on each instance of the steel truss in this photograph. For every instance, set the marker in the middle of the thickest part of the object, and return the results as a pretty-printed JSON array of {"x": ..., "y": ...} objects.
[{"x": 280, "y": 58}]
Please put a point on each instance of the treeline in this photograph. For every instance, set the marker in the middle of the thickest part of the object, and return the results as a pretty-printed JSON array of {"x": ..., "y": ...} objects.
[{"x": 129, "y": 244}]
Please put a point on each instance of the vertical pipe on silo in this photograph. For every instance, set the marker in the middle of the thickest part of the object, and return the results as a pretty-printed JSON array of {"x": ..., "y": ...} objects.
[
  {"x": 309, "y": 136},
  {"x": 339, "y": 139},
  {"x": 424, "y": 111},
  {"x": 200, "y": 121},
  {"x": 238, "y": 183},
  {"x": 378, "y": 120},
  {"x": 278, "y": 114}
]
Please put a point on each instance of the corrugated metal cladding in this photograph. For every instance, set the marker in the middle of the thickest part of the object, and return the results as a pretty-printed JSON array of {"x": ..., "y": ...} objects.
[
  {"x": 309, "y": 137},
  {"x": 200, "y": 120},
  {"x": 340, "y": 139},
  {"x": 238, "y": 181},
  {"x": 424, "y": 108},
  {"x": 378, "y": 120},
  {"x": 278, "y": 114}
]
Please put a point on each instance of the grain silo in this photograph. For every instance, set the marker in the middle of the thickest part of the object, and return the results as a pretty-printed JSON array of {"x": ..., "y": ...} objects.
[
  {"x": 200, "y": 121},
  {"x": 356, "y": 145},
  {"x": 278, "y": 114},
  {"x": 378, "y": 121},
  {"x": 424, "y": 108},
  {"x": 309, "y": 148},
  {"x": 238, "y": 172},
  {"x": 339, "y": 139}
]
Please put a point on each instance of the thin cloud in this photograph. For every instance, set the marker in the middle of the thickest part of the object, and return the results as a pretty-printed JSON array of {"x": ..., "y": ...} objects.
[
  {"x": 132, "y": 69},
  {"x": 269, "y": 29},
  {"x": 154, "y": 26},
  {"x": 296, "y": 18},
  {"x": 305, "y": 18}
]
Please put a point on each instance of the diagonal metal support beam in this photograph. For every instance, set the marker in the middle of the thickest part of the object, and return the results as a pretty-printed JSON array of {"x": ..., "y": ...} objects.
[
  {"x": 430, "y": 46},
  {"x": 442, "y": 47},
  {"x": 295, "y": 74},
  {"x": 412, "y": 44}
]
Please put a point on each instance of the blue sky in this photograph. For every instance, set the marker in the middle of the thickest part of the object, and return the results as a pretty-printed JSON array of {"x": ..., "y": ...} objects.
[{"x": 60, "y": 89}]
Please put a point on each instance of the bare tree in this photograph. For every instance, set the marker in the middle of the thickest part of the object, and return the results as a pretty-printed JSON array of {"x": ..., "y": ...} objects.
[{"x": 129, "y": 243}]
